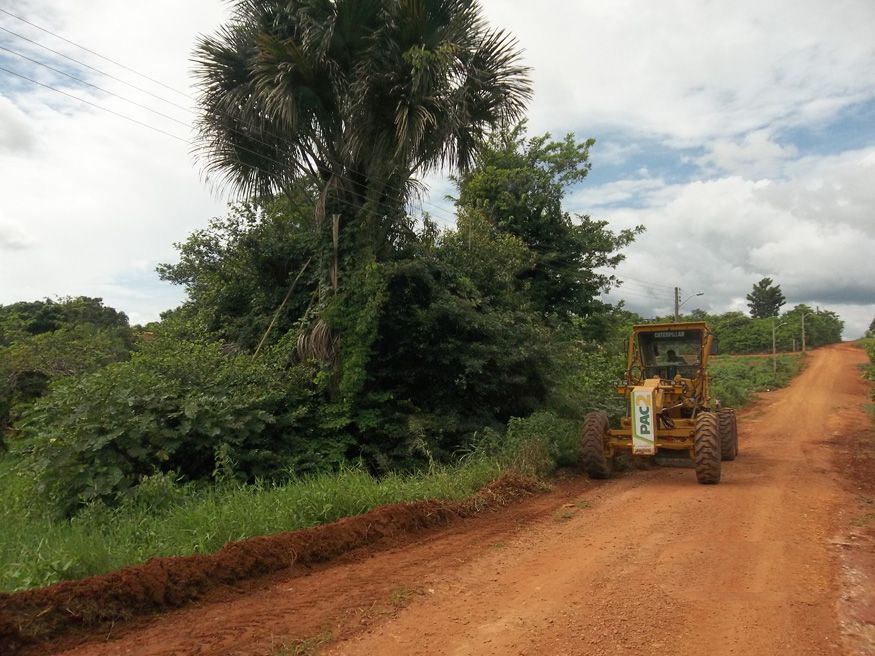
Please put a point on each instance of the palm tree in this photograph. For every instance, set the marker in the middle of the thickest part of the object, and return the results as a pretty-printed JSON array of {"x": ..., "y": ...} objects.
[{"x": 355, "y": 97}]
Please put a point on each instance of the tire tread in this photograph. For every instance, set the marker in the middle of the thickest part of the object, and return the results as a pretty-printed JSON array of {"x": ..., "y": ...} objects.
[
  {"x": 706, "y": 446},
  {"x": 592, "y": 445}
]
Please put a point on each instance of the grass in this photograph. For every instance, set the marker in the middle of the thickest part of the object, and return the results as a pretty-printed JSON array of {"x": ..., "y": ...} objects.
[
  {"x": 169, "y": 519},
  {"x": 564, "y": 515},
  {"x": 304, "y": 647},
  {"x": 400, "y": 597},
  {"x": 735, "y": 379},
  {"x": 868, "y": 343}
]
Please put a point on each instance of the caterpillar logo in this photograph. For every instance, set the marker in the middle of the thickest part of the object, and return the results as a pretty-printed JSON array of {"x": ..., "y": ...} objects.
[{"x": 642, "y": 422}]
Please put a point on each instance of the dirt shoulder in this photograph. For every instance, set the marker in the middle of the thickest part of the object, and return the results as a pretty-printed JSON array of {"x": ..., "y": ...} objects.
[
  {"x": 853, "y": 438},
  {"x": 646, "y": 563}
]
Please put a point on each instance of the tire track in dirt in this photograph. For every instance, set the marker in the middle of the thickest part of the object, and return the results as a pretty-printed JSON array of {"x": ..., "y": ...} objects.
[{"x": 647, "y": 563}]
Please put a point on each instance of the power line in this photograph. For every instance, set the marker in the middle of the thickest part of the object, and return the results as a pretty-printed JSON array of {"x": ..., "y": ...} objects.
[
  {"x": 96, "y": 54},
  {"x": 645, "y": 282},
  {"x": 96, "y": 70},
  {"x": 151, "y": 127},
  {"x": 100, "y": 107},
  {"x": 94, "y": 86},
  {"x": 654, "y": 300},
  {"x": 640, "y": 298},
  {"x": 642, "y": 288}
]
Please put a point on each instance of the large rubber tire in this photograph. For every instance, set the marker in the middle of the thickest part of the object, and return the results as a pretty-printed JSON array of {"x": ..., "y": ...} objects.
[
  {"x": 728, "y": 433},
  {"x": 706, "y": 446},
  {"x": 593, "y": 458}
]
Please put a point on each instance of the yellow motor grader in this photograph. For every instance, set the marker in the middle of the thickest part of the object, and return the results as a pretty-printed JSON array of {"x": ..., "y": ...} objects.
[{"x": 668, "y": 404}]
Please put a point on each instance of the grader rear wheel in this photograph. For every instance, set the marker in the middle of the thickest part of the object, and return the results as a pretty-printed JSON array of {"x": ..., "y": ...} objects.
[
  {"x": 706, "y": 447},
  {"x": 728, "y": 433},
  {"x": 593, "y": 458}
]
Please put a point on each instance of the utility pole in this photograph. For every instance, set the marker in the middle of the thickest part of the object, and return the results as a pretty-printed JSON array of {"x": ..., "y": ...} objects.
[
  {"x": 774, "y": 352},
  {"x": 677, "y": 304},
  {"x": 803, "y": 332},
  {"x": 775, "y": 325}
]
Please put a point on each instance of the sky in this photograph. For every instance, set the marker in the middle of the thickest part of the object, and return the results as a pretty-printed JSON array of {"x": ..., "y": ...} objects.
[{"x": 741, "y": 135}]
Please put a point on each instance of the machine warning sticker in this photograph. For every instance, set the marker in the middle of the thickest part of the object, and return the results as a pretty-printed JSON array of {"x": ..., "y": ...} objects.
[{"x": 642, "y": 422}]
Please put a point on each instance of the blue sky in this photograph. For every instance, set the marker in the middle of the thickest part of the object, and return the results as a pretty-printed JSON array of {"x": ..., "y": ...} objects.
[{"x": 742, "y": 135}]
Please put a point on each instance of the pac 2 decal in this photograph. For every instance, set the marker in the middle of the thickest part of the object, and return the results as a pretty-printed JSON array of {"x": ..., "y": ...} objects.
[{"x": 642, "y": 423}]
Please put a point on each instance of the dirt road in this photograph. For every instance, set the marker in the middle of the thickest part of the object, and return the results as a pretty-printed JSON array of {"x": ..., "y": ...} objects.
[{"x": 646, "y": 563}]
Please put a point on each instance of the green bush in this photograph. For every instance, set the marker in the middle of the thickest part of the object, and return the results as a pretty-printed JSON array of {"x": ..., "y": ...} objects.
[
  {"x": 588, "y": 379},
  {"x": 543, "y": 441},
  {"x": 868, "y": 343},
  {"x": 735, "y": 379},
  {"x": 45, "y": 341},
  {"x": 174, "y": 407}
]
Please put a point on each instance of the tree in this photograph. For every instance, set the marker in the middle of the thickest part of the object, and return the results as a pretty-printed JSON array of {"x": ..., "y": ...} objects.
[
  {"x": 519, "y": 183},
  {"x": 871, "y": 331},
  {"x": 26, "y": 318},
  {"x": 354, "y": 96},
  {"x": 765, "y": 299},
  {"x": 45, "y": 341},
  {"x": 821, "y": 326},
  {"x": 237, "y": 270}
]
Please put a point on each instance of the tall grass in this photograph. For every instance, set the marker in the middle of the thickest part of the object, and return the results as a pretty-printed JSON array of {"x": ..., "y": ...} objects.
[
  {"x": 868, "y": 343},
  {"x": 167, "y": 518},
  {"x": 735, "y": 379}
]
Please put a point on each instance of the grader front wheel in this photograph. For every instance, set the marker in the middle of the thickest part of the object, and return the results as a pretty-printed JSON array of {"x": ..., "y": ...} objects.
[
  {"x": 593, "y": 458},
  {"x": 706, "y": 447}
]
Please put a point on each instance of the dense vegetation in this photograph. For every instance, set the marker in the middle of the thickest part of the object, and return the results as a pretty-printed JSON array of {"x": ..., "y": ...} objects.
[
  {"x": 46, "y": 341},
  {"x": 868, "y": 343},
  {"x": 451, "y": 335}
]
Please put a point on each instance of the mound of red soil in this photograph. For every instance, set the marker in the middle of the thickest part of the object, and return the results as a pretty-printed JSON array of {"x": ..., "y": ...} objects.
[{"x": 160, "y": 583}]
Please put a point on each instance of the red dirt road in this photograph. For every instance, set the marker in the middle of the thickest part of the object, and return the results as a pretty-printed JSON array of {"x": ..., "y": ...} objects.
[{"x": 646, "y": 563}]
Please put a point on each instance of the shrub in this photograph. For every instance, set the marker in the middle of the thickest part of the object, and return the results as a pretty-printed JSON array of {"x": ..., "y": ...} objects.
[
  {"x": 735, "y": 379},
  {"x": 542, "y": 441},
  {"x": 172, "y": 408}
]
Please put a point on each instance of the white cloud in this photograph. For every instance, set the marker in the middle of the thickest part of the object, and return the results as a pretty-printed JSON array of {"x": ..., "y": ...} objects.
[
  {"x": 722, "y": 235},
  {"x": 97, "y": 198},
  {"x": 692, "y": 70},
  {"x": 754, "y": 155},
  {"x": 13, "y": 237},
  {"x": 16, "y": 132},
  {"x": 644, "y": 190},
  {"x": 613, "y": 151}
]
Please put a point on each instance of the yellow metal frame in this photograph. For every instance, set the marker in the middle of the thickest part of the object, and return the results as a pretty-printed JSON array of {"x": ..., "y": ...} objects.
[{"x": 679, "y": 438}]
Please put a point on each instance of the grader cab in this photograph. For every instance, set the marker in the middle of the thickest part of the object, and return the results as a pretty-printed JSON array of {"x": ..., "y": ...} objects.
[{"x": 668, "y": 405}]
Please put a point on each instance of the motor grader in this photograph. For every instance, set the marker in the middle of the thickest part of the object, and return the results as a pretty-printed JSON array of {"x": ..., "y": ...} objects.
[{"x": 668, "y": 405}]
